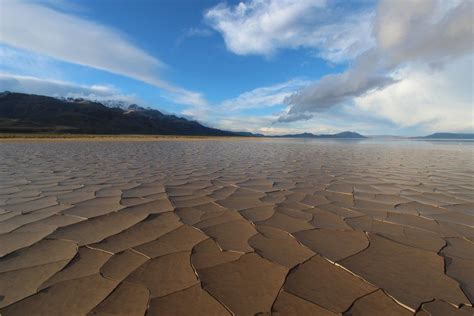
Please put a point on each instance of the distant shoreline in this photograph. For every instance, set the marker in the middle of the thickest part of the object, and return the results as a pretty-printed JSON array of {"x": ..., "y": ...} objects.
[{"x": 5, "y": 137}]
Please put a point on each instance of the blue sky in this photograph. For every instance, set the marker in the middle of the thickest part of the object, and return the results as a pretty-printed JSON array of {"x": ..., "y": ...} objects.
[{"x": 272, "y": 67}]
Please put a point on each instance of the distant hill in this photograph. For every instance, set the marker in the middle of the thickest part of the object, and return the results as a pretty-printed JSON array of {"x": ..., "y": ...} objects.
[
  {"x": 449, "y": 136},
  {"x": 249, "y": 134},
  {"x": 343, "y": 135},
  {"x": 34, "y": 113}
]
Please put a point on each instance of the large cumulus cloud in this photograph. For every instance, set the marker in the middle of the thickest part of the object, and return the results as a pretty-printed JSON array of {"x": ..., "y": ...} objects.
[{"x": 408, "y": 34}]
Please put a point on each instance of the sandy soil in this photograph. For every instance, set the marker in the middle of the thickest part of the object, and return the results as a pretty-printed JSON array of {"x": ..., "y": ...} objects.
[{"x": 211, "y": 227}]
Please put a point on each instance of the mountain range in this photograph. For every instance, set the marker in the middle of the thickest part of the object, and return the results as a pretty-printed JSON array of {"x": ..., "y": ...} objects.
[
  {"x": 21, "y": 112},
  {"x": 449, "y": 136},
  {"x": 29, "y": 113},
  {"x": 311, "y": 135}
]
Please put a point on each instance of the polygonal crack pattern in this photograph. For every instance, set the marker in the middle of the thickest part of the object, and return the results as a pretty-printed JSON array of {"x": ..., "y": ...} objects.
[{"x": 235, "y": 227}]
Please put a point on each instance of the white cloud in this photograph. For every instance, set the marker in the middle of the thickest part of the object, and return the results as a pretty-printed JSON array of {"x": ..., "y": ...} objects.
[
  {"x": 235, "y": 114},
  {"x": 327, "y": 124},
  {"x": 45, "y": 31},
  {"x": 423, "y": 31},
  {"x": 414, "y": 40},
  {"x": 259, "y": 98},
  {"x": 263, "y": 96},
  {"x": 57, "y": 88},
  {"x": 419, "y": 99},
  {"x": 40, "y": 29},
  {"x": 22, "y": 62},
  {"x": 263, "y": 27},
  {"x": 187, "y": 97},
  {"x": 194, "y": 32},
  {"x": 198, "y": 32},
  {"x": 433, "y": 100},
  {"x": 253, "y": 124}
]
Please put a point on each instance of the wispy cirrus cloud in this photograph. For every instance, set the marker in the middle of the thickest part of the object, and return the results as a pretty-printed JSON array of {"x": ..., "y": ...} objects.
[
  {"x": 263, "y": 97},
  {"x": 21, "y": 62},
  {"x": 266, "y": 97},
  {"x": 198, "y": 32},
  {"x": 194, "y": 32},
  {"x": 37, "y": 28}
]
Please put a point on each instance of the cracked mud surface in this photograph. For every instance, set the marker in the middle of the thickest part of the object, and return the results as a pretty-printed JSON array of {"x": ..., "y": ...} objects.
[{"x": 267, "y": 227}]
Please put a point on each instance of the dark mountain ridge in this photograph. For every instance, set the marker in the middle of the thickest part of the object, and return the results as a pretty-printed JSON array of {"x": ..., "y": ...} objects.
[
  {"x": 29, "y": 113},
  {"x": 21, "y": 112}
]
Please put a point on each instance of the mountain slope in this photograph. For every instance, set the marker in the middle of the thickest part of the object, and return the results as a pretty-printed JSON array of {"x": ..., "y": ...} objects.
[
  {"x": 34, "y": 113},
  {"x": 449, "y": 136}
]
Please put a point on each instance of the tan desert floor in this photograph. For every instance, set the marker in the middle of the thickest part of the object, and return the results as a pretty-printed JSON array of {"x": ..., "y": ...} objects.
[{"x": 245, "y": 227}]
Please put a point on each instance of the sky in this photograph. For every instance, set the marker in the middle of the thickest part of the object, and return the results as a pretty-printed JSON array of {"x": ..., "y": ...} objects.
[{"x": 266, "y": 66}]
